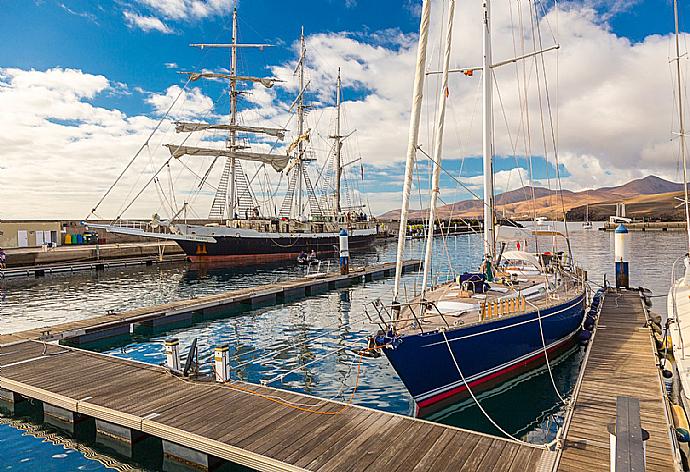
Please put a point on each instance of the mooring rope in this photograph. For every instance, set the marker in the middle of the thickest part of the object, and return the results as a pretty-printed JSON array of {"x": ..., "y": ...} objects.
[
  {"x": 509, "y": 436},
  {"x": 546, "y": 353}
]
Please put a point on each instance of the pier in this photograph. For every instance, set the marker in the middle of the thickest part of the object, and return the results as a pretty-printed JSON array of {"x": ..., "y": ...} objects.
[
  {"x": 204, "y": 307},
  {"x": 92, "y": 265},
  {"x": 73, "y": 254},
  {"x": 621, "y": 360},
  {"x": 267, "y": 429}
]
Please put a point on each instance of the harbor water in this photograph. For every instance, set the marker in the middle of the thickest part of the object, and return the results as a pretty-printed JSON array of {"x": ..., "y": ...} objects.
[{"x": 308, "y": 345}]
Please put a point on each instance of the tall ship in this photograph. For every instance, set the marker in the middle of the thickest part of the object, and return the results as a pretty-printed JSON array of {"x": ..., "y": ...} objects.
[
  {"x": 515, "y": 313},
  {"x": 243, "y": 227}
]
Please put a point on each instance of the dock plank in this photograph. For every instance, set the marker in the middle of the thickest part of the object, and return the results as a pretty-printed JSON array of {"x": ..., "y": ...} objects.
[
  {"x": 621, "y": 361},
  {"x": 238, "y": 422}
]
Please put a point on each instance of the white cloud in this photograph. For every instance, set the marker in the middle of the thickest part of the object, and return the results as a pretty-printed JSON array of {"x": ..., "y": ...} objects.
[
  {"x": 145, "y": 23},
  {"x": 190, "y": 103},
  {"x": 60, "y": 152},
  {"x": 614, "y": 104},
  {"x": 188, "y": 9},
  {"x": 171, "y": 65}
]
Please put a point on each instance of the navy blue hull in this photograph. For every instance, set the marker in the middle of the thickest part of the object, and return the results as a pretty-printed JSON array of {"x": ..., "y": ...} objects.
[
  {"x": 238, "y": 250},
  {"x": 487, "y": 353}
]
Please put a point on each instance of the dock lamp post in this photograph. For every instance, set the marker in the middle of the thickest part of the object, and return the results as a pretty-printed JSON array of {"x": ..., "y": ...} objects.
[
  {"x": 344, "y": 253},
  {"x": 621, "y": 242}
]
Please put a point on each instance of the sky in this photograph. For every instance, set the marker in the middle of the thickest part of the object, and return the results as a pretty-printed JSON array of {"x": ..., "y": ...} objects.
[{"x": 91, "y": 88}]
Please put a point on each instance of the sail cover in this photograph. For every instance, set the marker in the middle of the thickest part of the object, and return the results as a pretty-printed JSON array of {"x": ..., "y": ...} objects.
[
  {"x": 267, "y": 82},
  {"x": 184, "y": 127},
  {"x": 277, "y": 161}
]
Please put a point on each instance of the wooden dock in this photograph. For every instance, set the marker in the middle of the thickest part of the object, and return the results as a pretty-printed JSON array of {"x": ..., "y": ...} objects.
[
  {"x": 81, "y": 266},
  {"x": 204, "y": 307},
  {"x": 263, "y": 428},
  {"x": 621, "y": 360}
]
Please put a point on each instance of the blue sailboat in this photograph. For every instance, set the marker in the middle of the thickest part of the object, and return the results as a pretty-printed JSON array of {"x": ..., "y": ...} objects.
[{"x": 520, "y": 310}]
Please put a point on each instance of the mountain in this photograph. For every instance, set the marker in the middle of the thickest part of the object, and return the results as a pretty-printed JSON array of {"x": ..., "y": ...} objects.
[{"x": 649, "y": 197}]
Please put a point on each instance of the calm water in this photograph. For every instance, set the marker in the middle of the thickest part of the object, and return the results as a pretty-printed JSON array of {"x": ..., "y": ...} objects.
[{"x": 307, "y": 345}]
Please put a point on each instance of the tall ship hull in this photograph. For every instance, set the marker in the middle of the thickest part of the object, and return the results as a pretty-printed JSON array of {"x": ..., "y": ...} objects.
[
  {"x": 487, "y": 353},
  {"x": 263, "y": 248}
]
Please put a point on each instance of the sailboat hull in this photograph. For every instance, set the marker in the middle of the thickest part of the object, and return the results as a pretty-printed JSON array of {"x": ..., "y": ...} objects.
[
  {"x": 240, "y": 251},
  {"x": 487, "y": 353}
]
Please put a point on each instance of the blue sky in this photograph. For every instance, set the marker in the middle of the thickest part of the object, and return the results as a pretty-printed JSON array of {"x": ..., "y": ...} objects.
[{"x": 137, "y": 47}]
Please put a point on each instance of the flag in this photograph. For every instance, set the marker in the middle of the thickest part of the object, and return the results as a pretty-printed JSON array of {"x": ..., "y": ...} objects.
[
  {"x": 468, "y": 73},
  {"x": 447, "y": 92}
]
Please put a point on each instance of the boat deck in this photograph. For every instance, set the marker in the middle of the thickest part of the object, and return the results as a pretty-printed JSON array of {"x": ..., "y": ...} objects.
[
  {"x": 260, "y": 427},
  {"x": 621, "y": 361},
  {"x": 449, "y": 305}
]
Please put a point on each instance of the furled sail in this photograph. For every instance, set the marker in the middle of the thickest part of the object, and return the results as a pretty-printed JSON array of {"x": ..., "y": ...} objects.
[
  {"x": 184, "y": 127},
  {"x": 267, "y": 82},
  {"x": 277, "y": 161},
  {"x": 302, "y": 137}
]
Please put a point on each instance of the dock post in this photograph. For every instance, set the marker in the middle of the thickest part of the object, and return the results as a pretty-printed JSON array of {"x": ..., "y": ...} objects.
[
  {"x": 621, "y": 256},
  {"x": 172, "y": 354},
  {"x": 221, "y": 363},
  {"x": 344, "y": 253}
]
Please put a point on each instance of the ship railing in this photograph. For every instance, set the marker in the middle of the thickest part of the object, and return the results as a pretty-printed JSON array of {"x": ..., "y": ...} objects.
[
  {"x": 387, "y": 320},
  {"x": 142, "y": 225}
]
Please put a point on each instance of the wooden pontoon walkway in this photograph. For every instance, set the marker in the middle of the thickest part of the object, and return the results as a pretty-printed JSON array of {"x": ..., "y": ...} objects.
[
  {"x": 622, "y": 361},
  {"x": 245, "y": 423},
  {"x": 113, "y": 324}
]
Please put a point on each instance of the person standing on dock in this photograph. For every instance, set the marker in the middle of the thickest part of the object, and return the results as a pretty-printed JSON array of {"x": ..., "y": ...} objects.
[{"x": 3, "y": 258}]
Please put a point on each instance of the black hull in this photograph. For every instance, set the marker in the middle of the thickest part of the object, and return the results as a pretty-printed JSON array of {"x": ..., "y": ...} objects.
[{"x": 246, "y": 250}]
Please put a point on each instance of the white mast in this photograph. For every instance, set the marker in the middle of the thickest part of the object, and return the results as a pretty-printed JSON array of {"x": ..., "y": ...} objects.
[
  {"x": 681, "y": 122},
  {"x": 438, "y": 146},
  {"x": 338, "y": 147},
  {"x": 489, "y": 238},
  {"x": 417, "y": 95},
  {"x": 230, "y": 195},
  {"x": 300, "y": 120}
]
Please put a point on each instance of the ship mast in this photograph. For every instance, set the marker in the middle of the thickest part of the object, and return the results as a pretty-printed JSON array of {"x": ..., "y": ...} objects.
[
  {"x": 338, "y": 147},
  {"x": 681, "y": 123},
  {"x": 300, "y": 123},
  {"x": 489, "y": 237},
  {"x": 232, "y": 136}
]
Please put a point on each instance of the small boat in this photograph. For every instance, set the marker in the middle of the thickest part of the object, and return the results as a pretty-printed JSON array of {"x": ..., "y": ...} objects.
[
  {"x": 304, "y": 259},
  {"x": 587, "y": 224}
]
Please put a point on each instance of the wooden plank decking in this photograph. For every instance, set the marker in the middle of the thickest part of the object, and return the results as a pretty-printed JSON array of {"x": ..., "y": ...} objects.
[
  {"x": 117, "y": 323},
  {"x": 621, "y": 361},
  {"x": 239, "y": 422}
]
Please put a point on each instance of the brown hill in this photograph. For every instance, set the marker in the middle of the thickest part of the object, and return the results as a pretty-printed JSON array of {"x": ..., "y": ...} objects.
[{"x": 648, "y": 197}]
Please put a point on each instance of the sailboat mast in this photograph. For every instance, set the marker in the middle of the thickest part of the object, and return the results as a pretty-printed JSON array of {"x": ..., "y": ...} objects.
[
  {"x": 681, "y": 122},
  {"x": 438, "y": 146},
  {"x": 338, "y": 146},
  {"x": 230, "y": 195},
  {"x": 300, "y": 124},
  {"x": 489, "y": 237},
  {"x": 417, "y": 95}
]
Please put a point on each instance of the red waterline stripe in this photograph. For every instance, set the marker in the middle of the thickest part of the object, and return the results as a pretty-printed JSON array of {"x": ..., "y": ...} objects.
[{"x": 456, "y": 390}]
